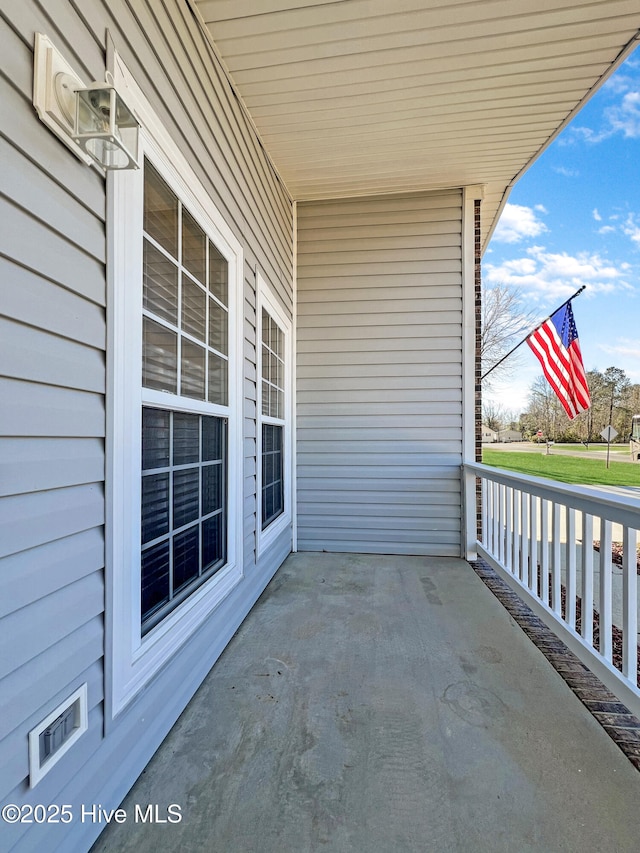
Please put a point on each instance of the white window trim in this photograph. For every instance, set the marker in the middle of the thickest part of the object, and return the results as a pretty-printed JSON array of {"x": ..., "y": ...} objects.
[
  {"x": 132, "y": 660},
  {"x": 267, "y": 299}
]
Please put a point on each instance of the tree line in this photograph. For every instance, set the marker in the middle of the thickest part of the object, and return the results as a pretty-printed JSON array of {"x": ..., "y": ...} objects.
[{"x": 614, "y": 400}]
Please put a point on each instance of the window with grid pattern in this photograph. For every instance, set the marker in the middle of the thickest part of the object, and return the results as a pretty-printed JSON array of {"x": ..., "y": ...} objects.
[
  {"x": 273, "y": 378},
  {"x": 185, "y": 355}
]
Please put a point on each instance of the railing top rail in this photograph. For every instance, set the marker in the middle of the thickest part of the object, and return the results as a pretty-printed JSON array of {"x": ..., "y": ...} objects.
[{"x": 624, "y": 509}]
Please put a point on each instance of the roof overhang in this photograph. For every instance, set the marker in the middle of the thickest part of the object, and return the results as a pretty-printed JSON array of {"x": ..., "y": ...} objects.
[{"x": 362, "y": 97}]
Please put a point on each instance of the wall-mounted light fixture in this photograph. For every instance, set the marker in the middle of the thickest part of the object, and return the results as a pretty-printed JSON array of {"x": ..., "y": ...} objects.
[
  {"x": 105, "y": 127},
  {"x": 93, "y": 121}
]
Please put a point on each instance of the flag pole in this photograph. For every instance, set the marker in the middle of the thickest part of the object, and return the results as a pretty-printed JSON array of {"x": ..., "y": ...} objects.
[{"x": 511, "y": 351}]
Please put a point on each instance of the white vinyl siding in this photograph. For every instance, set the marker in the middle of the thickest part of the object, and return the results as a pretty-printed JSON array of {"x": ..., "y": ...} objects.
[{"x": 379, "y": 374}]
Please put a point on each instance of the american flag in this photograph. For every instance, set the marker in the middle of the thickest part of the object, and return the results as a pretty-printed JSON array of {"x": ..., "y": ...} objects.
[{"x": 556, "y": 346}]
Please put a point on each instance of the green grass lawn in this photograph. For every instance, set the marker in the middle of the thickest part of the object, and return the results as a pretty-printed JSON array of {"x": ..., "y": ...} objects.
[{"x": 567, "y": 469}]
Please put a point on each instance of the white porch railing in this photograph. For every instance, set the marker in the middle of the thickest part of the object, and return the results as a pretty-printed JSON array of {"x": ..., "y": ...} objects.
[{"x": 553, "y": 544}]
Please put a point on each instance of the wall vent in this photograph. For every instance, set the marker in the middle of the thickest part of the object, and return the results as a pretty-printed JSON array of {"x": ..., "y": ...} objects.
[{"x": 56, "y": 734}]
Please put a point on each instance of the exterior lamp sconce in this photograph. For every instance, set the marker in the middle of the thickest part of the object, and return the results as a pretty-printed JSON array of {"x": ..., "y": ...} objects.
[
  {"x": 93, "y": 121},
  {"x": 105, "y": 127}
]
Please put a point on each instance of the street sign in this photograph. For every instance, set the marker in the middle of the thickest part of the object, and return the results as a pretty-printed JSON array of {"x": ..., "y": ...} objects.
[{"x": 609, "y": 433}]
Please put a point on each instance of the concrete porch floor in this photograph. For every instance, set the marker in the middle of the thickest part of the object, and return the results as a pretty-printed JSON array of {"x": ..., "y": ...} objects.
[{"x": 374, "y": 704}]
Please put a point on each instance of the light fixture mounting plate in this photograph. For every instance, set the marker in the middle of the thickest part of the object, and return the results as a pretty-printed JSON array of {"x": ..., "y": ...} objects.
[{"x": 54, "y": 85}]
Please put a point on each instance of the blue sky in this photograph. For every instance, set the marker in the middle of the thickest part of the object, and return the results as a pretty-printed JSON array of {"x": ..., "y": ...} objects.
[{"x": 574, "y": 219}]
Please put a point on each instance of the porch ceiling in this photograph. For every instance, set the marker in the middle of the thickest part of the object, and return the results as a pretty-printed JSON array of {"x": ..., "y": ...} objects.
[{"x": 359, "y": 97}]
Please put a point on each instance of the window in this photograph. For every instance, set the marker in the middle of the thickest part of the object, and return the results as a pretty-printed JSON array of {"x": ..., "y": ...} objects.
[
  {"x": 184, "y": 353},
  {"x": 183, "y": 507},
  {"x": 274, "y": 451},
  {"x": 272, "y": 419},
  {"x": 174, "y": 424}
]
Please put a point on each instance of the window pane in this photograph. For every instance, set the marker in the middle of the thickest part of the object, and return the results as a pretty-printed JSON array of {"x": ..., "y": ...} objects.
[
  {"x": 186, "y": 557},
  {"x": 155, "y": 438},
  {"x": 272, "y": 473},
  {"x": 155, "y": 577},
  {"x": 265, "y": 328},
  {"x": 218, "y": 274},
  {"x": 155, "y": 506},
  {"x": 217, "y": 327},
  {"x": 194, "y": 245},
  {"x": 278, "y": 341},
  {"x": 186, "y": 438},
  {"x": 213, "y": 541},
  {"x": 160, "y": 284},
  {"x": 211, "y": 488},
  {"x": 266, "y": 362},
  {"x": 193, "y": 308},
  {"x": 160, "y": 210},
  {"x": 211, "y": 439},
  {"x": 265, "y": 398},
  {"x": 192, "y": 370},
  {"x": 159, "y": 357},
  {"x": 185, "y": 496},
  {"x": 217, "y": 379}
]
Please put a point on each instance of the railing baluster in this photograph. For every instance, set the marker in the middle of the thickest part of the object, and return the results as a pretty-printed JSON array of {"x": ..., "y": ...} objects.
[
  {"x": 484, "y": 509},
  {"x": 496, "y": 517},
  {"x": 524, "y": 538},
  {"x": 570, "y": 587},
  {"x": 630, "y": 604},
  {"x": 606, "y": 649},
  {"x": 515, "y": 566},
  {"x": 544, "y": 551},
  {"x": 501, "y": 524},
  {"x": 587, "y": 577},
  {"x": 533, "y": 545},
  {"x": 508, "y": 545},
  {"x": 556, "y": 569}
]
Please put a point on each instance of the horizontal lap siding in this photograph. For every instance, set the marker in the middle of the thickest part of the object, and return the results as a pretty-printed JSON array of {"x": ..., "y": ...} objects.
[
  {"x": 379, "y": 374},
  {"x": 52, "y": 379}
]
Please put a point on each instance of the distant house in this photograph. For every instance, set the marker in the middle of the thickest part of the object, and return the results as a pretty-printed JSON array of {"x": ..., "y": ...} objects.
[
  {"x": 508, "y": 435},
  {"x": 489, "y": 436},
  {"x": 263, "y": 339}
]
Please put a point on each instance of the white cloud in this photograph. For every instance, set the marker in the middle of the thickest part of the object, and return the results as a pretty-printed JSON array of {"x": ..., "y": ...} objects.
[
  {"x": 518, "y": 222},
  {"x": 621, "y": 117},
  {"x": 626, "y": 116},
  {"x": 632, "y": 229},
  {"x": 625, "y": 347},
  {"x": 596, "y": 215},
  {"x": 547, "y": 276},
  {"x": 606, "y": 229},
  {"x": 566, "y": 172},
  {"x": 626, "y": 353}
]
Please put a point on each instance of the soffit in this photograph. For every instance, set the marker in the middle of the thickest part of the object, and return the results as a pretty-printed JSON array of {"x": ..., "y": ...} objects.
[{"x": 360, "y": 97}]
